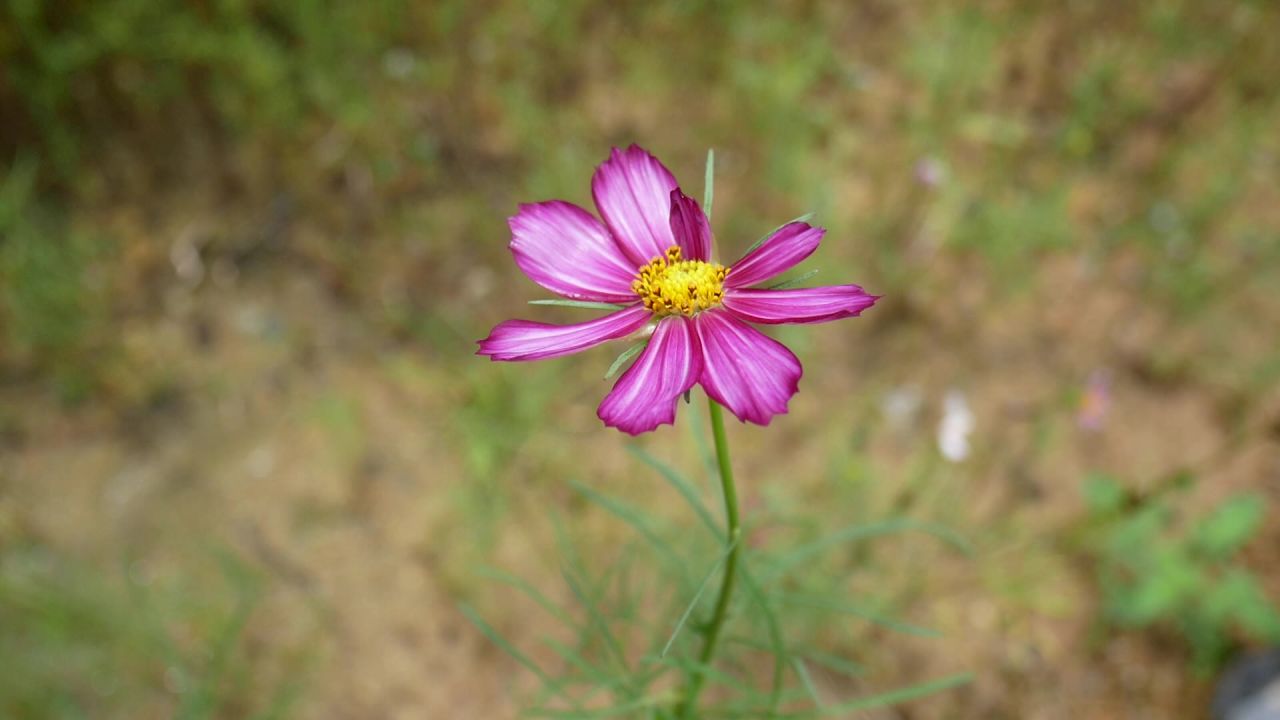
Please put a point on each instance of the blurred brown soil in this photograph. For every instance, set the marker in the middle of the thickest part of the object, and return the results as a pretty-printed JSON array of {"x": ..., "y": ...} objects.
[{"x": 328, "y": 456}]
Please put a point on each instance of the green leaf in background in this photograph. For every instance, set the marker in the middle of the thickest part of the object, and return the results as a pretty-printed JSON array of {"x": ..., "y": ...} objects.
[
  {"x": 1165, "y": 585},
  {"x": 1229, "y": 526},
  {"x": 1158, "y": 570},
  {"x": 1103, "y": 494},
  {"x": 1238, "y": 598}
]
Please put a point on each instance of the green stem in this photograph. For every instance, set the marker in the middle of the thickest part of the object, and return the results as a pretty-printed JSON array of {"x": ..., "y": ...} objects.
[{"x": 690, "y": 700}]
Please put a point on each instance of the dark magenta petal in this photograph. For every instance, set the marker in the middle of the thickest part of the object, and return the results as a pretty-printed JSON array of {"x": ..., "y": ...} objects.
[
  {"x": 690, "y": 227},
  {"x": 780, "y": 252},
  {"x": 745, "y": 370},
  {"x": 566, "y": 250},
  {"x": 632, "y": 190},
  {"x": 646, "y": 394},
  {"x": 528, "y": 340},
  {"x": 799, "y": 305}
]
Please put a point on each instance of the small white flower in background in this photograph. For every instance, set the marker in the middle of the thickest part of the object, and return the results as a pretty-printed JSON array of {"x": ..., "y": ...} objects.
[
  {"x": 956, "y": 425},
  {"x": 901, "y": 406}
]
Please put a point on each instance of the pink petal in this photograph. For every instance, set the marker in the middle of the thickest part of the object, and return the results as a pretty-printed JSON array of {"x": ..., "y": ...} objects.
[
  {"x": 646, "y": 394},
  {"x": 780, "y": 252},
  {"x": 690, "y": 227},
  {"x": 566, "y": 250},
  {"x": 743, "y": 369},
  {"x": 633, "y": 192},
  {"x": 801, "y": 305},
  {"x": 527, "y": 340}
]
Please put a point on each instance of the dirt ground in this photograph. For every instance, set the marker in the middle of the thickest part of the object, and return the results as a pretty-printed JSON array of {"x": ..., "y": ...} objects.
[{"x": 326, "y": 456}]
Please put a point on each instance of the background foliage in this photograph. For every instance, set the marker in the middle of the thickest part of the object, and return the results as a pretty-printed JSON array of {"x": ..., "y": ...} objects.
[{"x": 245, "y": 248}]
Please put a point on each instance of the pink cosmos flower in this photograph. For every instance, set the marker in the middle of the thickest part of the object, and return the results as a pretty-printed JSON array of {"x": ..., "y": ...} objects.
[{"x": 652, "y": 256}]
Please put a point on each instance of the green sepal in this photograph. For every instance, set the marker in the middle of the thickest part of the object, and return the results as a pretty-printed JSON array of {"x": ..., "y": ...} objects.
[
  {"x": 709, "y": 183},
  {"x": 578, "y": 304},
  {"x": 792, "y": 282},
  {"x": 624, "y": 357},
  {"x": 803, "y": 218}
]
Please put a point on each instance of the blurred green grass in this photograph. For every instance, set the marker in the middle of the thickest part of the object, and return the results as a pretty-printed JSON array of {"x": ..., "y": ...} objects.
[
  {"x": 81, "y": 642},
  {"x": 990, "y": 170}
]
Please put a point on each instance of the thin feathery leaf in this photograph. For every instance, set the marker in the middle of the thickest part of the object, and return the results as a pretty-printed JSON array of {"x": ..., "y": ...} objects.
[
  {"x": 861, "y": 532},
  {"x": 709, "y": 183},
  {"x": 833, "y": 605},
  {"x": 832, "y": 662},
  {"x": 533, "y": 593},
  {"x": 570, "y": 575},
  {"x": 682, "y": 486},
  {"x": 586, "y": 304},
  {"x": 792, "y": 282},
  {"x": 619, "y": 575},
  {"x": 684, "y": 617},
  {"x": 643, "y": 524},
  {"x": 751, "y": 708},
  {"x": 802, "y": 672},
  {"x": 777, "y": 645},
  {"x": 803, "y": 218},
  {"x": 597, "y": 678},
  {"x": 691, "y": 667},
  {"x": 626, "y": 708},
  {"x": 623, "y": 358},
  {"x": 496, "y": 638},
  {"x": 598, "y": 620},
  {"x": 891, "y": 697}
]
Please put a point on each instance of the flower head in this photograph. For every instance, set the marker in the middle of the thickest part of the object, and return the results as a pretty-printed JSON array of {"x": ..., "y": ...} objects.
[{"x": 652, "y": 256}]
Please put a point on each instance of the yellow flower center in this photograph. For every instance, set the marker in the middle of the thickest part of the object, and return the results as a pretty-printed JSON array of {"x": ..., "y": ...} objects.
[{"x": 670, "y": 285}]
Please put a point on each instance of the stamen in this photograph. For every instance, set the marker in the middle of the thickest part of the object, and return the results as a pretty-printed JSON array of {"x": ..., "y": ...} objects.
[{"x": 669, "y": 284}]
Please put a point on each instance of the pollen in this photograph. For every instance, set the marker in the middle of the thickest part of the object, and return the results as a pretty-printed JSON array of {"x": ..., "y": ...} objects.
[{"x": 670, "y": 285}]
